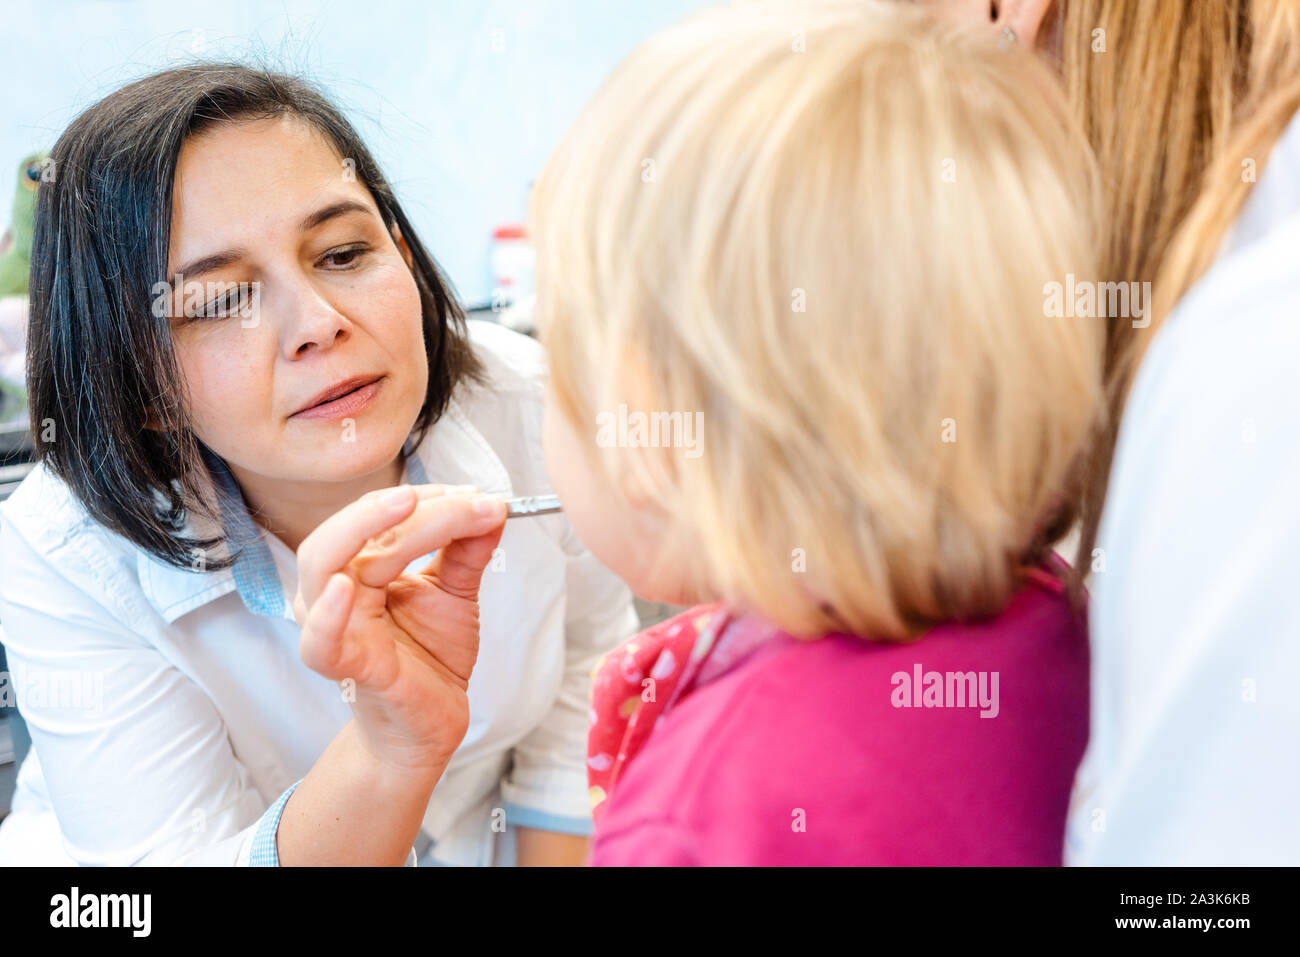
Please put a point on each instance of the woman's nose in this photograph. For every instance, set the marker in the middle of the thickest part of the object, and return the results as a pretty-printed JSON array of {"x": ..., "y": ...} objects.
[{"x": 311, "y": 321}]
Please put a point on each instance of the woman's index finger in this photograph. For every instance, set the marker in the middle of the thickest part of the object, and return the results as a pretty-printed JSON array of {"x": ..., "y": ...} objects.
[{"x": 338, "y": 539}]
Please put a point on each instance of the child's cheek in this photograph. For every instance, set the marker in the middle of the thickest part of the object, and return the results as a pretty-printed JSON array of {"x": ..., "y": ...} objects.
[
  {"x": 589, "y": 501},
  {"x": 564, "y": 458}
]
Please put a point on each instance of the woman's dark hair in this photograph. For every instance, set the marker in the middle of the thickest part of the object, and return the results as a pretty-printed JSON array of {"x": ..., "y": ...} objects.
[{"x": 100, "y": 362}]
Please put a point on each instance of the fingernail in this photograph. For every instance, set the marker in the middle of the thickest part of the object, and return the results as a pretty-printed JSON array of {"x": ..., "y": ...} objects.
[
  {"x": 332, "y": 594},
  {"x": 487, "y": 504},
  {"x": 396, "y": 499}
]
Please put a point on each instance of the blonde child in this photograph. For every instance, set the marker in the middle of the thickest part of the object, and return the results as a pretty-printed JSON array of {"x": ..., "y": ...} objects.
[{"x": 792, "y": 263}]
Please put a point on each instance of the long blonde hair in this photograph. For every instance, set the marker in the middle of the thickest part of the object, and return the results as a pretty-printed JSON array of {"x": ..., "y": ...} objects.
[
  {"x": 1184, "y": 103},
  {"x": 826, "y": 228}
]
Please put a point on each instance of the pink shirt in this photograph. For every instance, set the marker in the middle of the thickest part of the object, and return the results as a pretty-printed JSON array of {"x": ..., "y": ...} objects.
[{"x": 832, "y": 752}]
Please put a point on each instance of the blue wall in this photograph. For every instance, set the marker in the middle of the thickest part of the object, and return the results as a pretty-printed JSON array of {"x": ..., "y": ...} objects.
[{"x": 460, "y": 127}]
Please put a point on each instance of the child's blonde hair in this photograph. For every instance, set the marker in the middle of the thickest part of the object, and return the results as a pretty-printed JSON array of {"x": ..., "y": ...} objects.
[{"x": 827, "y": 227}]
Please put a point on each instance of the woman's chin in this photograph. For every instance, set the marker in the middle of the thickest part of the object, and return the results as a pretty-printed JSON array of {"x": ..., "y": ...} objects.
[{"x": 340, "y": 459}]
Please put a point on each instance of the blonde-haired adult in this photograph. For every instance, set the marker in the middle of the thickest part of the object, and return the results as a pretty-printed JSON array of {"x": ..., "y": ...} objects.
[{"x": 1191, "y": 107}]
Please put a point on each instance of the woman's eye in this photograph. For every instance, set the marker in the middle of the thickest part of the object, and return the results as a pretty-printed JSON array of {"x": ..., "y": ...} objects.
[
  {"x": 232, "y": 303},
  {"x": 343, "y": 258}
]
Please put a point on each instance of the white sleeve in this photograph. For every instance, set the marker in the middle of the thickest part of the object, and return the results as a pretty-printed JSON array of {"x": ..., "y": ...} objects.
[
  {"x": 136, "y": 759},
  {"x": 1194, "y": 756}
]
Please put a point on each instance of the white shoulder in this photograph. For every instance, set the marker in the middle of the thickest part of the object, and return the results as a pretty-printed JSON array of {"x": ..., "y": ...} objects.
[
  {"x": 507, "y": 405},
  {"x": 1201, "y": 516},
  {"x": 44, "y": 510},
  {"x": 512, "y": 361},
  {"x": 1225, "y": 355},
  {"x": 50, "y": 544}
]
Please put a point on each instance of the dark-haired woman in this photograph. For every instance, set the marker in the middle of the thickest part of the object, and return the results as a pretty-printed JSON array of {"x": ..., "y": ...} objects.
[{"x": 241, "y": 619}]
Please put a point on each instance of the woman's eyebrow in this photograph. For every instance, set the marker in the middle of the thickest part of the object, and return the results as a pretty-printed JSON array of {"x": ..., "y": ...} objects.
[
  {"x": 205, "y": 264},
  {"x": 198, "y": 267},
  {"x": 329, "y": 212}
]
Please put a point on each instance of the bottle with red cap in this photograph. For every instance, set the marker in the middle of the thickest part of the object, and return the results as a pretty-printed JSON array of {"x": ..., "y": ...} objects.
[{"x": 513, "y": 264}]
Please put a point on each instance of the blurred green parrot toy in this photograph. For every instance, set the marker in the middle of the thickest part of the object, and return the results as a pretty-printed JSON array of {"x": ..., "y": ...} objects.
[{"x": 16, "y": 260}]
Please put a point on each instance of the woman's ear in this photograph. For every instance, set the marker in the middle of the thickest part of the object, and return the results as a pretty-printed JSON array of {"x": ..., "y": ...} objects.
[
  {"x": 1025, "y": 18},
  {"x": 402, "y": 248}
]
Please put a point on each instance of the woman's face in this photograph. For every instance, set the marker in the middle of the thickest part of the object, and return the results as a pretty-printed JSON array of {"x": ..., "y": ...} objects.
[{"x": 269, "y": 202}]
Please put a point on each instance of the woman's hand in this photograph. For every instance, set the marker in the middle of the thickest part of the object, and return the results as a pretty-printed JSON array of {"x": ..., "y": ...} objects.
[{"x": 407, "y": 641}]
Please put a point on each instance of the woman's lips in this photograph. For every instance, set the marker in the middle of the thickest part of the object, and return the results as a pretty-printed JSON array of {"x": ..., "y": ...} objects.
[{"x": 345, "y": 405}]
